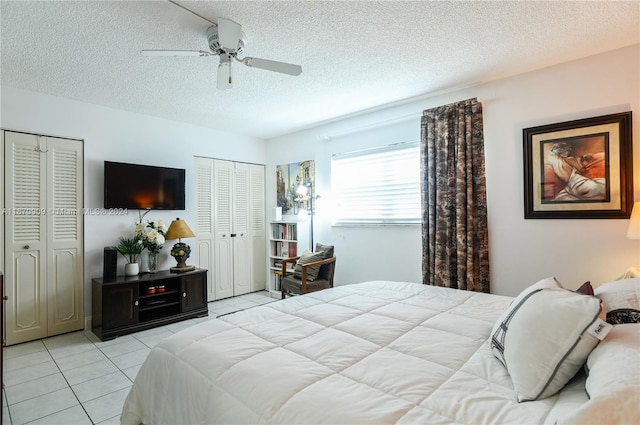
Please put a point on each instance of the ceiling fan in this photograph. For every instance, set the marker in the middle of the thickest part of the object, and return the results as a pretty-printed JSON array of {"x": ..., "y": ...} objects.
[{"x": 226, "y": 40}]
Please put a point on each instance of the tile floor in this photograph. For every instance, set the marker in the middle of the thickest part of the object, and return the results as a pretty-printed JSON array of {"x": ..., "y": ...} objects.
[{"x": 77, "y": 379}]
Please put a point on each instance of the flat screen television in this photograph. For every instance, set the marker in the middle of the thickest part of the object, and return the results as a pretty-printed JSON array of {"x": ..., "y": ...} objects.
[{"x": 138, "y": 186}]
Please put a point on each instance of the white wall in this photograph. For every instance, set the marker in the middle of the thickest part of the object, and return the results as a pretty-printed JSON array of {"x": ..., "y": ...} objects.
[
  {"x": 116, "y": 135},
  {"x": 521, "y": 251}
]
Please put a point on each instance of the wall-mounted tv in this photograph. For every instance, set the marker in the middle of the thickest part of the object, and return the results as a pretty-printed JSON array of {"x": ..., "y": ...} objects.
[{"x": 138, "y": 186}]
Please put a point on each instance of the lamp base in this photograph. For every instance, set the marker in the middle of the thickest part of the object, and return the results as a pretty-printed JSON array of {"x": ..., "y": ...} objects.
[{"x": 182, "y": 269}]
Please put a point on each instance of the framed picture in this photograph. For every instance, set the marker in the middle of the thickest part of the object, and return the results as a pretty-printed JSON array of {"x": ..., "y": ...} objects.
[
  {"x": 288, "y": 178},
  {"x": 579, "y": 169}
]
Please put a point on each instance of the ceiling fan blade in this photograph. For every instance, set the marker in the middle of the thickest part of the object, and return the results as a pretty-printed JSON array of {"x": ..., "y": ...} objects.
[
  {"x": 229, "y": 34},
  {"x": 224, "y": 73},
  {"x": 175, "y": 53},
  {"x": 269, "y": 65}
]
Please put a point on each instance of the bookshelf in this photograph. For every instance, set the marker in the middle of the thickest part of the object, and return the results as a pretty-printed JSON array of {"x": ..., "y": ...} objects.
[{"x": 286, "y": 239}]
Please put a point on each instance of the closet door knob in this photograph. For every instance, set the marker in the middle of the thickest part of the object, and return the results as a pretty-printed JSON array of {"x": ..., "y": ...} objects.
[{"x": 26, "y": 247}]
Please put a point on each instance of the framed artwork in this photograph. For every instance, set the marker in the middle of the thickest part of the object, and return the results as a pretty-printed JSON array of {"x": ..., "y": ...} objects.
[
  {"x": 288, "y": 178},
  {"x": 579, "y": 169}
]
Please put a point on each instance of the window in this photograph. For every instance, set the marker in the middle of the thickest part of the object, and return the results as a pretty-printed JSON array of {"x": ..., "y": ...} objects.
[{"x": 377, "y": 186}]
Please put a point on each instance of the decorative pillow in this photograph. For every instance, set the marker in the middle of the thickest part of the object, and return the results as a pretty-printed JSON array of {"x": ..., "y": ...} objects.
[
  {"x": 325, "y": 269},
  {"x": 585, "y": 288},
  {"x": 623, "y": 299},
  {"x": 545, "y": 336},
  {"x": 306, "y": 258}
]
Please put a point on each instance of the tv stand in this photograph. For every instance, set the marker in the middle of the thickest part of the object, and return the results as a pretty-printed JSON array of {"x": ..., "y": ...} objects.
[{"x": 126, "y": 304}]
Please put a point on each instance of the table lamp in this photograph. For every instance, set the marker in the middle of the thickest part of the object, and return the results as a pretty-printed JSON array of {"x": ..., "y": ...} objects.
[
  {"x": 633, "y": 232},
  {"x": 178, "y": 229}
]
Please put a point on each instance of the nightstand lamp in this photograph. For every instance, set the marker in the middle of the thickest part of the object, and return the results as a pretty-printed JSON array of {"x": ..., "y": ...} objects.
[
  {"x": 633, "y": 232},
  {"x": 178, "y": 229}
]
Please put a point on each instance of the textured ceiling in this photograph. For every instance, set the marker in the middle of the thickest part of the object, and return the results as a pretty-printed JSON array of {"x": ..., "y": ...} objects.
[{"x": 355, "y": 55}]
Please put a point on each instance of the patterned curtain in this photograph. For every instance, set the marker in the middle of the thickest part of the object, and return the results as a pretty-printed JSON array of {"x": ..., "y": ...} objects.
[{"x": 455, "y": 249}]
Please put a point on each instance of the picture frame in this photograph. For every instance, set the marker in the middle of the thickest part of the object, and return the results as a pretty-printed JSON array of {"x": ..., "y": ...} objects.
[{"x": 579, "y": 169}]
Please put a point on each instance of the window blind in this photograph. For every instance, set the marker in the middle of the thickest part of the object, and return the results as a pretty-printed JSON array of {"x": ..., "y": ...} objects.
[{"x": 377, "y": 186}]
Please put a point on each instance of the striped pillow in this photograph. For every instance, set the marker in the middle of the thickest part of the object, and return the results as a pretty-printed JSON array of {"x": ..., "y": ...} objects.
[{"x": 306, "y": 258}]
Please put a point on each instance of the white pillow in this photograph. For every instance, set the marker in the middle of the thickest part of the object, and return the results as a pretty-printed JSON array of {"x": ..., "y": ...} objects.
[
  {"x": 623, "y": 300},
  {"x": 613, "y": 382},
  {"x": 541, "y": 339}
]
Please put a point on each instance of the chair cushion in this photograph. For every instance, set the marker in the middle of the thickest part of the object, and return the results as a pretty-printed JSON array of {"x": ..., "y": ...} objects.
[
  {"x": 306, "y": 258},
  {"x": 325, "y": 269}
]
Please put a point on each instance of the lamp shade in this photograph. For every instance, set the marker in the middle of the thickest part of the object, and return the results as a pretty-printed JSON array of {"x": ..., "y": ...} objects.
[
  {"x": 634, "y": 223},
  {"x": 179, "y": 229}
]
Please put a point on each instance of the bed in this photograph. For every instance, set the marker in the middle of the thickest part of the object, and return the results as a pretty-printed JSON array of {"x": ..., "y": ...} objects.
[{"x": 390, "y": 352}]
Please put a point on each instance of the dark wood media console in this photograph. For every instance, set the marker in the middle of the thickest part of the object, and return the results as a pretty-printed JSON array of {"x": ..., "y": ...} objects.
[{"x": 126, "y": 304}]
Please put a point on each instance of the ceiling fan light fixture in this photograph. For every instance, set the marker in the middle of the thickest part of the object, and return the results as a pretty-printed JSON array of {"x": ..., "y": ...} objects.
[{"x": 225, "y": 78}]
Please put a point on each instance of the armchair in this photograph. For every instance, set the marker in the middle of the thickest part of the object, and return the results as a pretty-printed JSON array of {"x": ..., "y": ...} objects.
[{"x": 303, "y": 280}]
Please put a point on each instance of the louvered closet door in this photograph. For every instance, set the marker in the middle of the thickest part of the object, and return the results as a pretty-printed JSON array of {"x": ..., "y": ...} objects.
[
  {"x": 241, "y": 249},
  {"x": 64, "y": 236},
  {"x": 223, "y": 243},
  {"x": 43, "y": 239},
  {"x": 257, "y": 228},
  {"x": 25, "y": 239},
  {"x": 204, "y": 211}
]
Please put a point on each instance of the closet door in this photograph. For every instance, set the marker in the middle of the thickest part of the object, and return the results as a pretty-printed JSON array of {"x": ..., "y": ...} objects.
[
  {"x": 64, "y": 232},
  {"x": 223, "y": 242},
  {"x": 43, "y": 238},
  {"x": 25, "y": 238},
  {"x": 204, "y": 212},
  {"x": 241, "y": 249},
  {"x": 257, "y": 231}
]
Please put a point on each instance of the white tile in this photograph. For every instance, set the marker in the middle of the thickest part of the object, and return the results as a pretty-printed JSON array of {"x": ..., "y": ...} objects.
[
  {"x": 255, "y": 296},
  {"x": 115, "y": 341},
  {"x": 22, "y": 349},
  {"x": 151, "y": 340},
  {"x": 134, "y": 358},
  {"x": 224, "y": 310},
  {"x": 90, "y": 371},
  {"x": 132, "y": 372},
  {"x": 26, "y": 374},
  {"x": 124, "y": 347},
  {"x": 234, "y": 301},
  {"x": 6, "y": 418},
  {"x": 26, "y": 361},
  {"x": 107, "y": 406},
  {"x": 147, "y": 332},
  {"x": 44, "y": 405},
  {"x": 68, "y": 350},
  {"x": 178, "y": 326},
  {"x": 111, "y": 421},
  {"x": 65, "y": 340},
  {"x": 74, "y": 415},
  {"x": 35, "y": 388},
  {"x": 81, "y": 359},
  {"x": 98, "y": 387}
]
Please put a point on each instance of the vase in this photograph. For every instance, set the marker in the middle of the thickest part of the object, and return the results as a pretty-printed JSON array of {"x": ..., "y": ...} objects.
[
  {"x": 131, "y": 269},
  {"x": 153, "y": 262}
]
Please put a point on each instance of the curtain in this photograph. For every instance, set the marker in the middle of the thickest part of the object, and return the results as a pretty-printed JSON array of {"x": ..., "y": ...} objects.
[{"x": 455, "y": 251}]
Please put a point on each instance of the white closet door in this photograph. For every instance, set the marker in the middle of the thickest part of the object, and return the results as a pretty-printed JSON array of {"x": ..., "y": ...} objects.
[
  {"x": 223, "y": 242},
  {"x": 241, "y": 249},
  {"x": 25, "y": 238},
  {"x": 204, "y": 212},
  {"x": 64, "y": 235},
  {"x": 257, "y": 231}
]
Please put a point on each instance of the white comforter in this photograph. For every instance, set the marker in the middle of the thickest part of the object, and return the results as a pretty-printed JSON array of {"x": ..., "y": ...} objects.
[{"x": 376, "y": 352}]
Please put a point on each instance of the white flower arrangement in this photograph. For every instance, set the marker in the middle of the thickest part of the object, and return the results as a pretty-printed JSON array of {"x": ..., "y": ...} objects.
[{"x": 153, "y": 239}]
